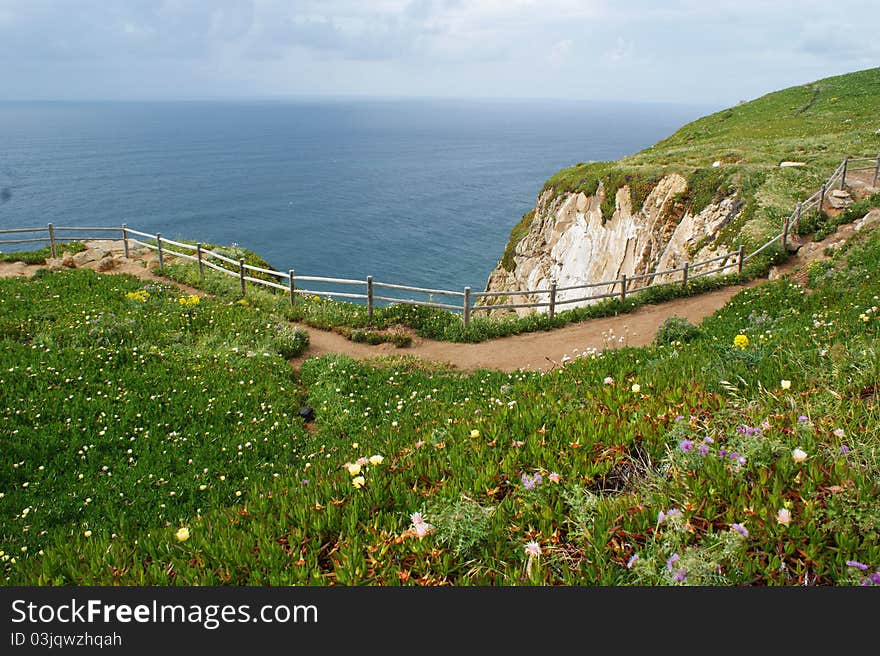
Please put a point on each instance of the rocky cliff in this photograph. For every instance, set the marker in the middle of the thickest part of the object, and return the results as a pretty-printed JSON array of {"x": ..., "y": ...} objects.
[{"x": 568, "y": 241}]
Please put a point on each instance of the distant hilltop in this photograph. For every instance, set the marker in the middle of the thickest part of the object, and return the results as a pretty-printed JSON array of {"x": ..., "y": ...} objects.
[{"x": 725, "y": 180}]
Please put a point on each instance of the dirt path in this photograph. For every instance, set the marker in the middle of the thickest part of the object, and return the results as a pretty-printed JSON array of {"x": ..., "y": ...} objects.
[
  {"x": 543, "y": 350},
  {"x": 539, "y": 351}
]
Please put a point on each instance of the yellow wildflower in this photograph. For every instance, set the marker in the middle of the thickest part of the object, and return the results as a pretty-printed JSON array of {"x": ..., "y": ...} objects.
[
  {"x": 358, "y": 482},
  {"x": 741, "y": 341},
  {"x": 182, "y": 534}
]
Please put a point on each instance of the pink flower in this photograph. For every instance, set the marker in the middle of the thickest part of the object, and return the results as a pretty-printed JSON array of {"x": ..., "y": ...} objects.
[
  {"x": 553, "y": 477},
  {"x": 533, "y": 549},
  {"x": 420, "y": 527}
]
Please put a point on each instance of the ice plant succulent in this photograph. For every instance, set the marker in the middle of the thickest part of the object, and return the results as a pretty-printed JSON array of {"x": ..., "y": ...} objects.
[
  {"x": 533, "y": 551},
  {"x": 182, "y": 534},
  {"x": 783, "y": 516},
  {"x": 420, "y": 528}
]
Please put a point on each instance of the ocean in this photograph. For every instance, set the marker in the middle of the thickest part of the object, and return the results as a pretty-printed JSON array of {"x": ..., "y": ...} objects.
[{"x": 416, "y": 192}]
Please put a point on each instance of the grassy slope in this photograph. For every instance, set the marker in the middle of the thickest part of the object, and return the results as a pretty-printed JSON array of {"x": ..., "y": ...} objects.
[
  {"x": 818, "y": 123},
  {"x": 622, "y": 454}
]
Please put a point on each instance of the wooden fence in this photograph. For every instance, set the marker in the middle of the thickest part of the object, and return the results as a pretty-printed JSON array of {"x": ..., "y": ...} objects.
[{"x": 291, "y": 283}]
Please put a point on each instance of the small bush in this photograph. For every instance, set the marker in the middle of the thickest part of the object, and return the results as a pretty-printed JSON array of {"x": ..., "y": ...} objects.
[
  {"x": 676, "y": 330},
  {"x": 289, "y": 342}
]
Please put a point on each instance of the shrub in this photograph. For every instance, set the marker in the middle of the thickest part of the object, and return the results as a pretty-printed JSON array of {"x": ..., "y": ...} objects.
[
  {"x": 289, "y": 342},
  {"x": 676, "y": 330}
]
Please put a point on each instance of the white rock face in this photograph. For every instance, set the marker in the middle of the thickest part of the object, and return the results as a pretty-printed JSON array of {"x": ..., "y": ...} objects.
[{"x": 569, "y": 243}]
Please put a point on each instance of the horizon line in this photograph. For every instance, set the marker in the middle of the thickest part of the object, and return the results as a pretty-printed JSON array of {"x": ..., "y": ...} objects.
[{"x": 364, "y": 98}]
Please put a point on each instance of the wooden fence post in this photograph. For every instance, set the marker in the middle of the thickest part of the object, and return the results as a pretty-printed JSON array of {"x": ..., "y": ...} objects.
[
  {"x": 739, "y": 264},
  {"x": 822, "y": 198},
  {"x": 52, "y": 241},
  {"x": 784, "y": 235},
  {"x": 241, "y": 275},
  {"x": 125, "y": 239},
  {"x": 876, "y": 171},
  {"x": 552, "y": 311},
  {"x": 292, "y": 287},
  {"x": 622, "y": 286},
  {"x": 797, "y": 215},
  {"x": 685, "y": 270},
  {"x": 199, "y": 256},
  {"x": 467, "y": 307},
  {"x": 370, "y": 299},
  {"x": 843, "y": 173},
  {"x": 159, "y": 245}
]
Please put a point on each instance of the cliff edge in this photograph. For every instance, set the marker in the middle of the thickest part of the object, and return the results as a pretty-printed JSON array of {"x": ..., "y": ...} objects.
[{"x": 725, "y": 180}]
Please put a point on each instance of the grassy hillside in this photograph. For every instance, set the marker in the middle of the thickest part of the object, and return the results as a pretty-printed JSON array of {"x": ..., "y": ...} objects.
[
  {"x": 745, "y": 451},
  {"x": 818, "y": 123}
]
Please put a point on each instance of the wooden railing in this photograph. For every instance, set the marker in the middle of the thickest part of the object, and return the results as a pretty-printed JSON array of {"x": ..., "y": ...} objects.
[{"x": 291, "y": 283}]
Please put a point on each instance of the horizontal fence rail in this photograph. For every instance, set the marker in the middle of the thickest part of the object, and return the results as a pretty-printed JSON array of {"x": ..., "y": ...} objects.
[{"x": 289, "y": 281}]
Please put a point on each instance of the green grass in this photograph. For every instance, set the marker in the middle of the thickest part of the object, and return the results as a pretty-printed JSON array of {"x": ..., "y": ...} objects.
[
  {"x": 617, "y": 438},
  {"x": 818, "y": 123}
]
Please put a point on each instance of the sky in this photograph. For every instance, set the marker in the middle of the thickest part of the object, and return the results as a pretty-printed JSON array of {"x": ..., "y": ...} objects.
[{"x": 714, "y": 52}]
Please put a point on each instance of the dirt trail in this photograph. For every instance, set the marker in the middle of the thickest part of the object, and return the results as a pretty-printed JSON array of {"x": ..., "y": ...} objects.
[{"x": 540, "y": 351}]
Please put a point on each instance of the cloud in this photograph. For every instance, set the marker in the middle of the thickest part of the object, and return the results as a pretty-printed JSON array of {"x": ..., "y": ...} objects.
[
  {"x": 560, "y": 52},
  {"x": 623, "y": 50},
  {"x": 729, "y": 48}
]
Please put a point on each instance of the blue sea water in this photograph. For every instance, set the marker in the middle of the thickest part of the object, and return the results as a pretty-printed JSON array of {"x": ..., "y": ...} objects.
[{"x": 418, "y": 192}]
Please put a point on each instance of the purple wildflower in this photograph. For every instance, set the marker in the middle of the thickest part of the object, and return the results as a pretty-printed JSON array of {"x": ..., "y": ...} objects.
[
  {"x": 875, "y": 577},
  {"x": 679, "y": 417},
  {"x": 661, "y": 517},
  {"x": 704, "y": 449},
  {"x": 723, "y": 453},
  {"x": 708, "y": 440},
  {"x": 680, "y": 576},
  {"x": 686, "y": 445},
  {"x": 741, "y": 460},
  {"x": 632, "y": 561},
  {"x": 529, "y": 482},
  {"x": 734, "y": 455},
  {"x": 856, "y": 564},
  {"x": 742, "y": 530},
  {"x": 803, "y": 419},
  {"x": 844, "y": 449},
  {"x": 670, "y": 562}
]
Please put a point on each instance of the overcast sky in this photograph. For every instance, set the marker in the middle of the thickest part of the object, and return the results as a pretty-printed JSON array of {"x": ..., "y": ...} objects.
[{"x": 694, "y": 51}]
